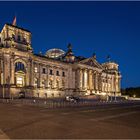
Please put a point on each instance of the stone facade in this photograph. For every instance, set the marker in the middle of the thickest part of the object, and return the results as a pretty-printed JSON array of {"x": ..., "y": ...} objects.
[{"x": 41, "y": 76}]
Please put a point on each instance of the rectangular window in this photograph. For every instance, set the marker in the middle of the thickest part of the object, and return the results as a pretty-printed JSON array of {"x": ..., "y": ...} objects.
[
  {"x": 19, "y": 38},
  {"x": 44, "y": 70},
  {"x": 35, "y": 69},
  {"x": 20, "y": 81}
]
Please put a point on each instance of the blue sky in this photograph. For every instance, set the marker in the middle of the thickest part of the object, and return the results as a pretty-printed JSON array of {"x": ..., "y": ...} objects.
[{"x": 102, "y": 27}]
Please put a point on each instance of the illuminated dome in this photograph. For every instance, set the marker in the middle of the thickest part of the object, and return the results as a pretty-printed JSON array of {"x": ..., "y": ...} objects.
[{"x": 55, "y": 53}]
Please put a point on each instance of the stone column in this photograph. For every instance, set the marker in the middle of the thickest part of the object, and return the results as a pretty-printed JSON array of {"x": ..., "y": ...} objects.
[
  {"x": 99, "y": 82},
  {"x": 107, "y": 82},
  {"x": 73, "y": 75},
  {"x": 1, "y": 71},
  {"x": 60, "y": 78},
  {"x": 31, "y": 76},
  {"x": 27, "y": 80},
  {"x": 40, "y": 80},
  {"x": 85, "y": 79},
  {"x": 54, "y": 77},
  {"x": 112, "y": 84},
  {"x": 47, "y": 77},
  {"x": 119, "y": 84},
  {"x": 77, "y": 78},
  {"x": 12, "y": 69},
  {"x": 80, "y": 78},
  {"x": 32, "y": 73},
  {"x": 90, "y": 83},
  {"x": 4, "y": 70},
  {"x": 102, "y": 84},
  {"x": 96, "y": 81},
  {"x": 116, "y": 83}
]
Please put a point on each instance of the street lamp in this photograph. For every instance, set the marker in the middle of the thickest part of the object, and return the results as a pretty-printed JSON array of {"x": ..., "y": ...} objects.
[{"x": 115, "y": 95}]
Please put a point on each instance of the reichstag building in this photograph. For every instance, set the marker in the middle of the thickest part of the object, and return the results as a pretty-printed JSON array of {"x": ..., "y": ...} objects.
[{"x": 55, "y": 74}]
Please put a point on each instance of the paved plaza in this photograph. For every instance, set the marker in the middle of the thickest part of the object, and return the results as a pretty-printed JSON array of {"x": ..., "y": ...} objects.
[{"x": 34, "y": 122}]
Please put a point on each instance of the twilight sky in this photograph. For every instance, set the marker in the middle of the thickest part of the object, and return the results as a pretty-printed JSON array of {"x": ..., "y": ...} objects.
[{"x": 102, "y": 27}]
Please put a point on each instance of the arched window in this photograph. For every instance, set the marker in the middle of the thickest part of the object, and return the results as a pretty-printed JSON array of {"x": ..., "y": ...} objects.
[
  {"x": 19, "y": 66},
  {"x": 19, "y": 38}
]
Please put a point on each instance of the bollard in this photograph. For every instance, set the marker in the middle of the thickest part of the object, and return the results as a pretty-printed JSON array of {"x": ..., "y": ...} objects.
[{"x": 7, "y": 101}]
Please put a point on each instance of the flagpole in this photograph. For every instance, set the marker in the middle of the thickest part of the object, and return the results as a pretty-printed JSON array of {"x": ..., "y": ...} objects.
[{"x": 16, "y": 17}]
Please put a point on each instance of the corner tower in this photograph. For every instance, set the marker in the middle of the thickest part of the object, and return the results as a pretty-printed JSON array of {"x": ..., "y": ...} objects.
[{"x": 14, "y": 36}]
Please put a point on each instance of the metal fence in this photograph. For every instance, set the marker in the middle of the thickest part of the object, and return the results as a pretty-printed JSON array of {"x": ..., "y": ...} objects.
[{"x": 52, "y": 104}]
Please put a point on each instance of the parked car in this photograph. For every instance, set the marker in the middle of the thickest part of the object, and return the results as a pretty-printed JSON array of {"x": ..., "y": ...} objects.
[
  {"x": 21, "y": 95},
  {"x": 72, "y": 99}
]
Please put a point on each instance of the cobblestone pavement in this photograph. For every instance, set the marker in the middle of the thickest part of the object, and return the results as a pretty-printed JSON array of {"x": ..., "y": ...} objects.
[{"x": 34, "y": 122}]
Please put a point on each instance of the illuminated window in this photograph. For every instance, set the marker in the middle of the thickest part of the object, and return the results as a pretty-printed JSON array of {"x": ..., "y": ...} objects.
[
  {"x": 35, "y": 82},
  {"x": 20, "y": 81},
  {"x": 35, "y": 69}
]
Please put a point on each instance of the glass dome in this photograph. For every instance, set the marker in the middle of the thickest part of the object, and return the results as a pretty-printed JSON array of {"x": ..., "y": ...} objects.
[{"x": 55, "y": 53}]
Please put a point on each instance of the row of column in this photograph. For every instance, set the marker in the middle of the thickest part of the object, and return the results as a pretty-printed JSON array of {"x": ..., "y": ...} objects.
[
  {"x": 93, "y": 80},
  {"x": 89, "y": 79}
]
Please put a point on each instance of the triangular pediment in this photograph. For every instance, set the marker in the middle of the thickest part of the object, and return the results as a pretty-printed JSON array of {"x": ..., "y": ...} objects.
[{"x": 91, "y": 62}]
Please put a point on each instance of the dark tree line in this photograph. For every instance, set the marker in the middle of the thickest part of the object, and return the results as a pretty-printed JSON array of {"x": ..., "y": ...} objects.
[{"x": 132, "y": 91}]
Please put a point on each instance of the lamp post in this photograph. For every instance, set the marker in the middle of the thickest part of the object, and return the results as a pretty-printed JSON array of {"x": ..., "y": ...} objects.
[
  {"x": 111, "y": 98},
  {"x": 115, "y": 95},
  {"x": 107, "y": 97}
]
